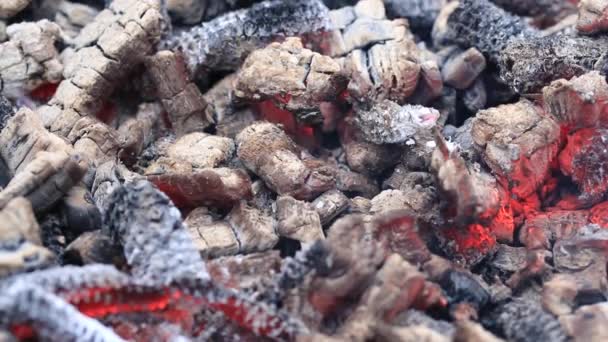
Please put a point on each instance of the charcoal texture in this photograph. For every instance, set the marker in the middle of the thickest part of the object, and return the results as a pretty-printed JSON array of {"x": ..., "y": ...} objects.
[
  {"x": 483, "y": 25},
  {"x": 223, "y": 43},
  {"x": 420, "y": 13},
  {"x": 462, "y": 287},
  {"x": 531, "y": 63},
  {"x": 523, "y": 321},
  {"x": 534, "y": 8}
]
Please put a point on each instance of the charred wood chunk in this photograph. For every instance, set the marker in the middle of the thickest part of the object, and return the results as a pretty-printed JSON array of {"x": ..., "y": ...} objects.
[
  {"x": 592, "y": 16},
  {"x": 217, "y": 187},
  {"x": 180, "y": 97},
  {"x": 462, "y": 287},
  {"x": 267, "y": 151},
  {"x": 542, "y": 230},
  {"x": 462, "y": 68},
  {"x": 353, "y": 183},
  {"x": 579, "y": 102},
  {"x": 105, "y": 51},
  {"x": 402, "y": 233},
  {"x": 211, "y": 237},
  {"x": 255, "y": 230},
  {"x": 294, "y": 78},
  {"x": 330, "y": 205},
  {"x": 79, "y": 210},
  {"x": 92, "y": 248},
  {"x": 388, "y": 123},
  {"x": 147, "y": 225},
  {"x": 482, "y": 25},
  {"x": 430, "y": 85},
  {"x": 528, "y": 64},
  {"x": 421, "y": 14},
  {"x": 467, "y": 245},
  {"x": 522, "y": 320},
  {"x": 581, "y": 250},
  {"x": 223, "y": 43},
  {"x": 585, "y": 159},
  {"x": 298, "y": 220},
  {"x": 20, "y": 239},
  {"x": 29, "y": 58},
  {"x": 137, "y": 133},
  {"x": 95, "y": 141},
  {"x": 253, "y": 271},
  {"x": 519, "y": 144}
]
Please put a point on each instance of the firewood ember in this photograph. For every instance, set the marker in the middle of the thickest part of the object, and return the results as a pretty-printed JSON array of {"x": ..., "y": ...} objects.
[
  {"x": 528, "y": 64},
  {"x": 581, "y": 250},
  {"x": 388, "y": 123},
  {"x": 255, "y": 230},
  {"x": 298, "y": 220},
  {"x": 584, "y": 160},
  {"x": 29, "y": 57},
  {"x": 21, "y": 247},
  {"x": 519, "y": 143},
  {"x": 482, "y": 25},
  {"x": 467, "y": 245},
  {"x": 592, "y": 16},
  {"x": 462, "y": 68},
  {"x": 92, "y": 248},
  {"x": 268, "y": 152},
  {"x": 223, "y": 43},
  {"x": 44, "y": 167},
  {"x": 588, "y": 323},
  {"x": 10, "y": 8},
  {"x": 244, "y": 271},
  {"x": 402, "y": 233},
  {"x": 211, "y": 237},
  {"x": 579, "y": 102},
  {"x": 522, "y": 320},
  {"x": 180, "y": 97},
  {"x": 106, "y": 50},
  {"x": 420, "y": 14},
  {"x": 330, "y": 205},
  {"x": 217, "y": 187},
  {"x": 294, "y": 78}
]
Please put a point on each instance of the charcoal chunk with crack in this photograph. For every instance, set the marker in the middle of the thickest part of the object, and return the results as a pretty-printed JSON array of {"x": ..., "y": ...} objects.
[
  {"x": 330, "y": 205},
  {"x": 297, "y": 220},
  {"x": 255, "y": 230},
  {"x": 522, "y": 320},
  {"x": 212, "y": 237}
]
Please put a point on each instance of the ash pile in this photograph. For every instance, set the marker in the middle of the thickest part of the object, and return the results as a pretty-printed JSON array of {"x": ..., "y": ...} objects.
[{"x": 304, "y": 170}]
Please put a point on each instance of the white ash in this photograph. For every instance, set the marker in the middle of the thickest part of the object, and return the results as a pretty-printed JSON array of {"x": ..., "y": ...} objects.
[{"x": 388, "y": 123}]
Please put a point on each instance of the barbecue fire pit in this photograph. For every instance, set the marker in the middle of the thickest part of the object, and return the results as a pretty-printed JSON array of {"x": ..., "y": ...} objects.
[{"x": 304, "y": 170}]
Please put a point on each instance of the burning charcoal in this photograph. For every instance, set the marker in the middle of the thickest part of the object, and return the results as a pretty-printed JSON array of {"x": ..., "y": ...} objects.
[
  {"x": 475, "y": 98},
  {"x": 180, "y": 97},
  {"x": 194, "y": 151},
  {"x": 592, "y": 16},
  {"x": 542, "y": 230},
  {"x": 525, "y": 321},
  {"x": 462, "y": 68},
  {"x": 419, "y": 13},
  {"x": 298, "y": 220},
  {"x": 330, "y": 205},
  {"x": 255, "y": 231},
  {"x": 461, "y": 287},
  {"x": 519, "y": 144},
  {"x": 268, "y": 152},
  {"x": 482, "y": 25},
  {"x": 106, "y": 50},
  {"x": 156, "y": 246},
  {"x": 509, "y": 259},
  {"x": 355, "y": 183},
  {"x": 247, "y": 272},
  {"x": 588, "y": 323},
  {"x": 20, "y": 245},
  {"x": 579, "y": 102},
  {"x": 29, "y": 58},
  {"x": 473, "y": 195},
  {"x": 294, "y": 78},
  {"x": 223, "y": 43},
  {"x": 585, "y": 159},
  {"x": 92, "y": 248},
  {"x": 467, "y": 245},
  {"x": 218, "y": 187},
  {"x": 211, "y": 237},
  {"x": 401, "y": 232},
  {"x": 192, "y": 12},
  {"x": 388, "y": 123},
  {"x": 136, "y": 133},
  {"x": 108, "y": 177},
  {"x": 10, "y": 8},
  {"x": 94, "y": 140},
  {"x": 581, "y": 250},
  {"x": 528, "y": 64}
]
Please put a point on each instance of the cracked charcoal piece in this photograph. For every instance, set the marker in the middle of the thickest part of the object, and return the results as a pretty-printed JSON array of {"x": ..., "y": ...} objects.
[
  {"x": 523, "y": 321},
  {"x": 330, "y": 205},
  {"x": 592, "y": 16},
  {"x": 294, "y": 78},
  {"x": 528, "y": 64},
  {"x": 194, "y": 11},
  {"x": 137, "y": 132},
  {"x": 254, "y": 230},
  {"x": 483, "y": 25},
  {"x": 223, "y": 43},
  {"x": 211, "y": 237},
  {"x": 29, "y": 58},
  {"x": 105, "y": 51},
  {"x": 420, "y": 13},
  {"x": 266, "y": 150},
  {"x": 297, "y": 220},
  {"x": 388, "y": 123},
  {"x": 180, "y": 97},
  {"x": 139, "y": 216}
]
